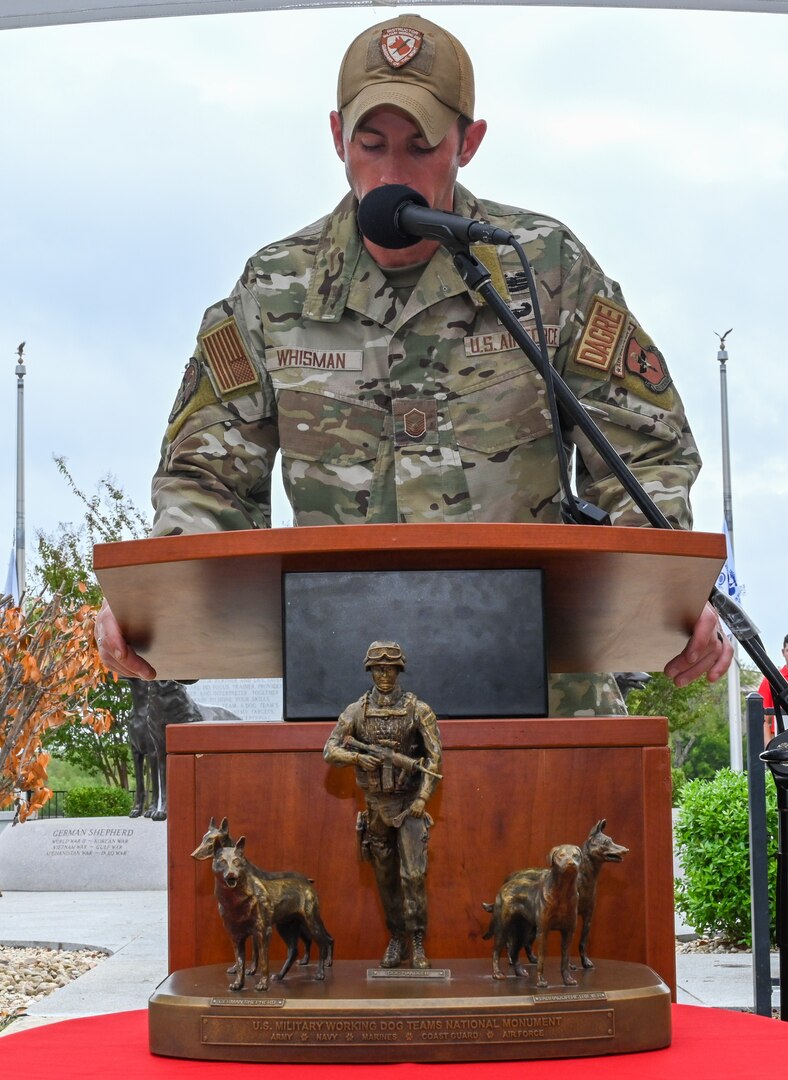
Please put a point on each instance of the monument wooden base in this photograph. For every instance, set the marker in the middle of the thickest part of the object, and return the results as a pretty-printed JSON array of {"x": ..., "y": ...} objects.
[
  {"x": 511, "y": 790},
  {"x": 455, "y": 1012}
]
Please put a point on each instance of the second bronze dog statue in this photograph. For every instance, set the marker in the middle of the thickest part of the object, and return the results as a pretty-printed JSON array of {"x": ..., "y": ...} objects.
[{"x": 515, "y": 903}]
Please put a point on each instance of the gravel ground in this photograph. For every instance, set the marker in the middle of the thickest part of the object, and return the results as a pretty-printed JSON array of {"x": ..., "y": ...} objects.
[
  {"x": 708, "y": 945},
  {"x": 27, "y": 974}
]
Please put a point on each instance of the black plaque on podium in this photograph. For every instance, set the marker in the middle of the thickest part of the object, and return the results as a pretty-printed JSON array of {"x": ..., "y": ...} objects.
[{"x": 474, "y": 639}]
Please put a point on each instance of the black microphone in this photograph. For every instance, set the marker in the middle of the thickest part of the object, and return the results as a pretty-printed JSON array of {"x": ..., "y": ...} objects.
[{"x": 396, "y": 216}]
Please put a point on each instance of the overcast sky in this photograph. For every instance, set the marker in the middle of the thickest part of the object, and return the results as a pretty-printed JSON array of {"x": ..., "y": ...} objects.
[{"x": 143, "y": 162}]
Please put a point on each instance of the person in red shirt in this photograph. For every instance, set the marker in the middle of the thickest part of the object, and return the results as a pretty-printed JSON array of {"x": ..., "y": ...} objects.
[{"x": 768, "y": 701}]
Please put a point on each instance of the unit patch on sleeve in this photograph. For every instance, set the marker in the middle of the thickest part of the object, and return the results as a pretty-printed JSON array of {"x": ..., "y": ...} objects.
[
  {"x": 643, "y": 360},
  {"x": 189, "y": 382},
  {"x": 228, "y": 361},
  {"x": 602, "y": 335}
]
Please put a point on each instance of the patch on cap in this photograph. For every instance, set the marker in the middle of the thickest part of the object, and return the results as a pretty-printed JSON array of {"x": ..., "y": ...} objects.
[
  {"x": 399, "y": 44},
  {"x": 228, "y": 361}
]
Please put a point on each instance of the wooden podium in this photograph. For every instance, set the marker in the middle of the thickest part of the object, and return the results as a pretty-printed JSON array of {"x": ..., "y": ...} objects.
[{"x": 616, "y": 599}]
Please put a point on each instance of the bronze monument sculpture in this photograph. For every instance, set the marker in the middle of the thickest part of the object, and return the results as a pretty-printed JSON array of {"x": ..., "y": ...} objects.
[
  {"x": 251, "y": 906},
  {"x": 392, "y": 740},
  {"x": 291, "y": 930}
]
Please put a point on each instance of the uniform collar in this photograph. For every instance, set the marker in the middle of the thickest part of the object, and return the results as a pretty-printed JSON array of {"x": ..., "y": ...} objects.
[
  {"x": 386, "y": 701},
  {"x": 346, "y": 276}
]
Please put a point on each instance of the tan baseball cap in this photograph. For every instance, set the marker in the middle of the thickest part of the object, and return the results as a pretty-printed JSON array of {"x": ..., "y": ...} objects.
[{"x": 413, "y": 65}]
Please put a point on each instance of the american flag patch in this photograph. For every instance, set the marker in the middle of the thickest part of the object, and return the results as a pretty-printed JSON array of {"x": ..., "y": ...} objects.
[{"x": 227, "y": 358}]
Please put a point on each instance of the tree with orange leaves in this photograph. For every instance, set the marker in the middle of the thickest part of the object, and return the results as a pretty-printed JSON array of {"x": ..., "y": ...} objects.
[{"x": 49, "y": 666}]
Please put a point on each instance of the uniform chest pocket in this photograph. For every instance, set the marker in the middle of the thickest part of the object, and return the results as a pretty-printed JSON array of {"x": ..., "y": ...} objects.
[
  {"x": 504, "y": 412},
  {"x": 316, "y": 427}
]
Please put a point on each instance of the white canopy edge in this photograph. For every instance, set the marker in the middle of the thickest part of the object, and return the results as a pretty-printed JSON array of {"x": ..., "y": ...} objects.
[{"x": 15, "y": 14}]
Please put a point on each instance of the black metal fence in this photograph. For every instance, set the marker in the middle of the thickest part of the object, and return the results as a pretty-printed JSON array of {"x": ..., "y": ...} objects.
[{"x": 55, "y": 808}]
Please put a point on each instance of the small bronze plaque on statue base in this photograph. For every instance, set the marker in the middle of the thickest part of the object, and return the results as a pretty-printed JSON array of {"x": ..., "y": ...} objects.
[{"x": 616, "y": 1008}]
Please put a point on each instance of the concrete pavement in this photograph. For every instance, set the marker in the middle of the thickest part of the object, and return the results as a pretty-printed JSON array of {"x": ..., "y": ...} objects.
[{"x": 132, "y": 926}]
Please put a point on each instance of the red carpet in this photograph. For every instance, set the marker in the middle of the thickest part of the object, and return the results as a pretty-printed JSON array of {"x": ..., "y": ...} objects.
[{"x": 708, "y": 1044}]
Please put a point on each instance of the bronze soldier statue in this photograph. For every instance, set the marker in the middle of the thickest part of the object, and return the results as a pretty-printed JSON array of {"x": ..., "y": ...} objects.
[{"x": 393, "y": 741}]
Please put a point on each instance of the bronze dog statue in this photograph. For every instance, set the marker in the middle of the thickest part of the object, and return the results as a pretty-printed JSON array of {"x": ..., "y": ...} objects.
[
  {"x": 597, "y": 849},
  {"x": 291, "y": 930},
  {"x": 250, "y": 907},
  {"x": 532, "y": 902}
]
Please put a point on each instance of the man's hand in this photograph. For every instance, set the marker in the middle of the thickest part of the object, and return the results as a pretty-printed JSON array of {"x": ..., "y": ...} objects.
[
  {"x": 115, "y": 652},
  {"x": 708, "y": 652},
  {"x": 417, "y": 808}
]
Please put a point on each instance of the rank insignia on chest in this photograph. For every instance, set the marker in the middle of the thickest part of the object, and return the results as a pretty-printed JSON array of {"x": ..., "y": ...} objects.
[
  {"x": 415, "y": 422},
  {"x": 227, "y": 358}
]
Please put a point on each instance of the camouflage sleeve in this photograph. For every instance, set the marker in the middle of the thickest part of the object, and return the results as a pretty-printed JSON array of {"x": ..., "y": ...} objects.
[
  {"x": 622, "y": 379},
  {"x": 219, "y": 448}
]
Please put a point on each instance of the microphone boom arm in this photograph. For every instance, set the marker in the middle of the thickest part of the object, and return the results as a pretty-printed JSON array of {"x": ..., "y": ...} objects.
[{"x": 476, "y": 275}]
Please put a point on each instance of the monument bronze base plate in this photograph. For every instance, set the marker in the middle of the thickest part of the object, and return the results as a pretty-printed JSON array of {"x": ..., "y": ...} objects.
[{"x": 356, "y": 1015}]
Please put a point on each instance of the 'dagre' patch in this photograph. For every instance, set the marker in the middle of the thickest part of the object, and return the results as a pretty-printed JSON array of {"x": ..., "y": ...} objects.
[{"x": 602, "y": 335}]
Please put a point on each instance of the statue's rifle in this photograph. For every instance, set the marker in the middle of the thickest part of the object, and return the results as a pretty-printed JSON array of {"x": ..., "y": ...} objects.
[{"x": 391, "y": 757}]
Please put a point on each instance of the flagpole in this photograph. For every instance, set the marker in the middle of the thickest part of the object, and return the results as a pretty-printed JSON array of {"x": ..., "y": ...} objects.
[
  {"x": 734, "y": 688},
  {"x": 19, "y": 531}
]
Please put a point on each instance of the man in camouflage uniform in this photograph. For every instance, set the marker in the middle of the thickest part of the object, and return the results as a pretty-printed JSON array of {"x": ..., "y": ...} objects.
[
  {"x": 395, "y": 826},
  {"x": 390, "y": 389}
]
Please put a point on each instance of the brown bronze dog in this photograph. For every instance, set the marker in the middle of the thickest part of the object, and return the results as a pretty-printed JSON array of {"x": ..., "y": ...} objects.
[
  {"x": 532, "y": 902},
  {"x": 250, "y": 907},
  {"x": 597, "y": 849}
]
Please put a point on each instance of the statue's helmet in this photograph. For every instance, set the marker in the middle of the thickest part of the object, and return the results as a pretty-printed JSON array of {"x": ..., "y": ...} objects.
[{"x": 384, "y": 652}]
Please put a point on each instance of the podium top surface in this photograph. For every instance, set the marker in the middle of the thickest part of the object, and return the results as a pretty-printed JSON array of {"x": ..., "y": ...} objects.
[{"x": 209, "y": 605}]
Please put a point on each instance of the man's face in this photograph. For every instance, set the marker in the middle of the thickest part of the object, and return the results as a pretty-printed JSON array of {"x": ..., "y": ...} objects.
[
  {"x": 385, "y": 677},
  {"x": 388, "y": 148}
]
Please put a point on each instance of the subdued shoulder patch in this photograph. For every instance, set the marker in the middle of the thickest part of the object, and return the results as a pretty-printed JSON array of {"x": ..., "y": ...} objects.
[
  {"x": 201, "y": 394},
  {"x": 227, "y": 358},
  {"x": 189, "y": 383},
  {"x": 487, "y": 254},
  {"x": 602, "y": 335}
]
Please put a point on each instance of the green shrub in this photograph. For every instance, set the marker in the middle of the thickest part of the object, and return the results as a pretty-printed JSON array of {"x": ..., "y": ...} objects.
[
  {"x": 98, "y": 802},
  {"x": 712, "y": 841}
]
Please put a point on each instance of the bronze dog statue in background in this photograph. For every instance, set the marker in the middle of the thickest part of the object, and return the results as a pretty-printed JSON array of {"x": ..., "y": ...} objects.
[{"x": 597, "y": 849}]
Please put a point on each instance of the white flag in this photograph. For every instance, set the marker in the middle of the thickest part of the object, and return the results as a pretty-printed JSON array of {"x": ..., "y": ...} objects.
[{"x": 727, "y": 582}]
